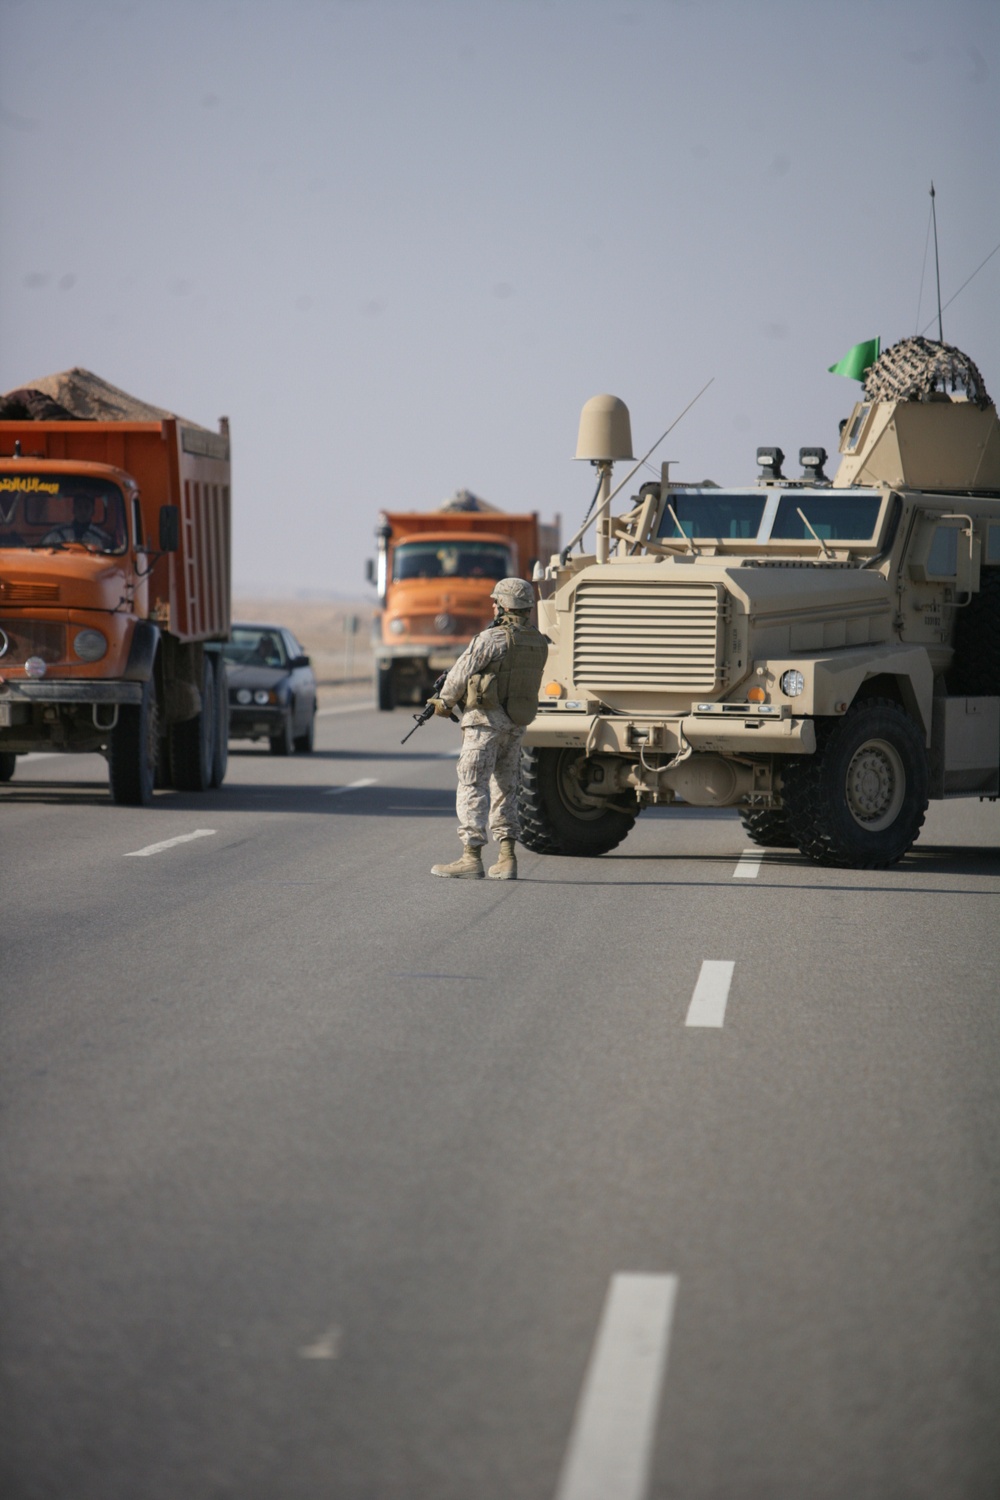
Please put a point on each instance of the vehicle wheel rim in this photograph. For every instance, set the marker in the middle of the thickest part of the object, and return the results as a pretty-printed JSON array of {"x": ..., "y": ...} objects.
[
  {"x": 876, "y": 785},
  {"x": 571, "y": 795}
]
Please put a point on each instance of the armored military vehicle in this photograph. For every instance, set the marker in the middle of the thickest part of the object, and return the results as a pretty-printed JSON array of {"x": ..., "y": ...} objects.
[{"x": 823, "y": 655}]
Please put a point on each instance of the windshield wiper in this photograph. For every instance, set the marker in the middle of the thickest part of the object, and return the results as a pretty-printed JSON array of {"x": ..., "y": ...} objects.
[{"x": 815, "y": 534}]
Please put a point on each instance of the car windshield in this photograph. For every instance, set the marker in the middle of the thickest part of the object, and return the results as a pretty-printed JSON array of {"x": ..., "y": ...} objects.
[
  {"x": 61, "y": 510},
  {"x": 255, "y": 646},
  {"x": 451, "y": 560},
  {"x": 835, "y": 516},
  {"x": 713, "y": 513}
]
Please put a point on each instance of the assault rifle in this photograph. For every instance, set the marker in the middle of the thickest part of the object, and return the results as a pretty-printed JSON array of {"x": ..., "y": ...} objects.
[{"x": 427, "y": 712}]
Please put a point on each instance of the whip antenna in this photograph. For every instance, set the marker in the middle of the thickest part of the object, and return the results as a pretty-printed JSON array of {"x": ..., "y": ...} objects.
[{"x": 937, "y": 266}]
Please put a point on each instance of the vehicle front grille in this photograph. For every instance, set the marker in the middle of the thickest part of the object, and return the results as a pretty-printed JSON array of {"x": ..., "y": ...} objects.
[
  {"x": 464, "y": 626},
  {"x": 663, "y": 636},
  {"x": 26, "y": 638}
]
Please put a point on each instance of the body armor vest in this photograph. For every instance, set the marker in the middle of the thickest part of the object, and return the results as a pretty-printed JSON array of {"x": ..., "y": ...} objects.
[{"x": 519, "y": 674}]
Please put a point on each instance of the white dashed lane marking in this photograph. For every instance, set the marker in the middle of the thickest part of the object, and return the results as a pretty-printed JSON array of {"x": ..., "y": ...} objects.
[
  {"x": 352, "y": 786},
  {"x": 708, "y": 1003},
  {"x": 182, "y": 838},
  {"x": 611, "y": 1441},
  {"x": 749, "y": 865}
]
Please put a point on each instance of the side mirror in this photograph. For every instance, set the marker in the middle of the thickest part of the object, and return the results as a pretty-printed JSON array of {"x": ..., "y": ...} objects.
[
  {"x": 298, "y": 661},
  {"x": 170, "y": 528},
  {"x": 370, "y": 570}
]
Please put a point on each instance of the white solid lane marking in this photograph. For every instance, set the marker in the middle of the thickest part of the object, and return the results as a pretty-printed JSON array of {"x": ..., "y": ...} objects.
[
  {"x": 708, "y": 1003},
  {"x": 611, "y": 1442},
  {"x": 327, "y": 1346},
  {"x": 352, "y": 786},
  {"x": 344, "y": 708},
  {"x": 182, "y": 838},
  {"x": 749, "y": 865}
]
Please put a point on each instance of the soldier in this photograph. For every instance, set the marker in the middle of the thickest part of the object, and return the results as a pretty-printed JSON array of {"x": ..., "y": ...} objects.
[{"x": 495, "y": 682}]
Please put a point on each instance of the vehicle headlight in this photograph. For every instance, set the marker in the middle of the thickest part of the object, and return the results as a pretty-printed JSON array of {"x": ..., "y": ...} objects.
[
  {"x": 34, "y": 667},
  {"x": 792, "y": 683},
  {"x": 244, "y": 695},
  {"x": 262, "y": 696},
  {"x": 397, "y": 626},
  {"x": 444, "y": 624},
  {"x": 90, "y": 645}
]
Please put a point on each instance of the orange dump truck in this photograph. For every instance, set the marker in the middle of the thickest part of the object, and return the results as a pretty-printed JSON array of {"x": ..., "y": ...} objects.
[
  {"x": 114, "y": 585},
  {"x": 434, "y": 572}
]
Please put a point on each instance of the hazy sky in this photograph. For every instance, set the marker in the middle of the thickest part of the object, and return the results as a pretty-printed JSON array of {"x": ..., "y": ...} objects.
[{"x": 400, "y": 244}]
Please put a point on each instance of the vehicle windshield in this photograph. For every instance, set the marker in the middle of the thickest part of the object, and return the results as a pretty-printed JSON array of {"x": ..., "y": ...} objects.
[
  {"x": 451, "y": 560},
  {"x": 772, "y": 515},
  {"x": 255, "y": 646},
  {"x": 835, "y": 516},
  {"x": 61, "y": 510},
  {"x": 713, "y": 513}
]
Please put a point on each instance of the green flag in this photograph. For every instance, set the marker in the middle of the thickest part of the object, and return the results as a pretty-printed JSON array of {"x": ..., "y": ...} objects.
[{"x": 857, "y": 360}]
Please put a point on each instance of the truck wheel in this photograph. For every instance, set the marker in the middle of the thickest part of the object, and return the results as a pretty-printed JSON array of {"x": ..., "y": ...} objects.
[
  {"x": 769, "y": 827},
  {"x": 8, "y": 761},
  {"x": 192, "y": 743},
  {"x": 385, "y": 693},
  {"x": 220, "y": 755},
  {"x": 132, "y": 750},
  {"x": 860, "y": 800},
  {"x": 304, "y": 742},
  {"x": 555, "y": 816},
  {"x": 975, "y": 668}
]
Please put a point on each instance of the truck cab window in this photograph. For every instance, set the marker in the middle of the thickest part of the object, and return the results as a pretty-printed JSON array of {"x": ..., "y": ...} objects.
[{"x": 71, "y": 511}]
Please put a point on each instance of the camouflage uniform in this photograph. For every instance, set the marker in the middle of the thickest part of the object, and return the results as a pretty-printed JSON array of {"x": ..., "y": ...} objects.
[{"x": 489, "y": 767}]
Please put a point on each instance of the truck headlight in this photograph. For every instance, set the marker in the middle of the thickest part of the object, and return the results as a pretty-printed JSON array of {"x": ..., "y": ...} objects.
[
  {"x": 397, "y": 626},
  {"x": 792, "y": 683},
  {"x": 90, "y": 645}
]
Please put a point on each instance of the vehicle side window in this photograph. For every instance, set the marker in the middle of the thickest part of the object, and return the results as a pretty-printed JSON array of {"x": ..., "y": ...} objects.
[{"x": 942, "y": 557}]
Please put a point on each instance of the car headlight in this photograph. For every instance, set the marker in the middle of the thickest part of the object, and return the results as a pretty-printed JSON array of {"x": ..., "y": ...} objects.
[
  {"x": 397, "y": 626},
  {"x": 262, "y": 696},
  {"x": 792, "y": 683},
  {"x": 244, "y": 695},
  {"x": 90, "y": 645}
]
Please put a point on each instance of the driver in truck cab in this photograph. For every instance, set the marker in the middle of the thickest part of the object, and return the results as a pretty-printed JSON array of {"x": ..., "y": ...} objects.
[
  {"x": 81, "y": 528},
  {"x": 495, "y": 683}
]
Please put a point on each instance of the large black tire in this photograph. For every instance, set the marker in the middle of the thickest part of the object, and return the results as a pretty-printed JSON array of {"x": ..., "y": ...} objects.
[
  {"x": 304, "y": 742},
  {"x": 385, "y": 689},
  {"x": 555, "y": 818},
  {"x": 8, "y": 762},
  {"x": 860, "y": 800},
  {"x": 281, "y": 743},
  {"x": 132, "y": 751},
  {"x": 220, "y": 754},
  {"x": 192, "y": 743},
  {"x": 975, "y": 668},
  {"x": 768, "y": 826}
]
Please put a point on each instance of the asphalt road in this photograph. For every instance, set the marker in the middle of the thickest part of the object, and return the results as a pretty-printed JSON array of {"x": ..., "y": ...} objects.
[{"x": 668, "y": 1174}]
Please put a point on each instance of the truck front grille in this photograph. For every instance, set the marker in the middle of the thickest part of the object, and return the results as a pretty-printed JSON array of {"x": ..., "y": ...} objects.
[{"x": 663, "y": 636}]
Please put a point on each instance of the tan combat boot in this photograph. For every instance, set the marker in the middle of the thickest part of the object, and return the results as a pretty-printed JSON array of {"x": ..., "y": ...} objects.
[
  {"x": 506, "y": 866},
  {"x": 469, "y": 867}
]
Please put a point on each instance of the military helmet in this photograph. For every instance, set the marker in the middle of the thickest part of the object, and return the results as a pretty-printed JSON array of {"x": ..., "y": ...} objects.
[{"x": 513, "y": 593}]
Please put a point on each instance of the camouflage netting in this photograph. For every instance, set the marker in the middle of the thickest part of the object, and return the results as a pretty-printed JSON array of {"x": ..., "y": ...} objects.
[
  {"x": 916, "y": 368},
  {"x": 78, "y": 394}
]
